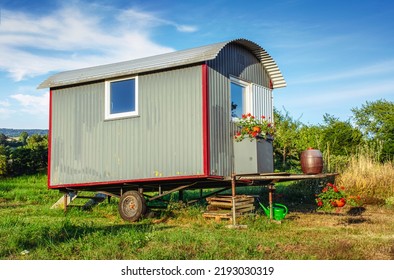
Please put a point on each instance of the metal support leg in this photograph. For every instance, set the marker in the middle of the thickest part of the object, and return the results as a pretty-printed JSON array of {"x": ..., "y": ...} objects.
[
  {"x": 180, "y": 196},
  {"x": 233, "y": 197},
  {"x": 65, "y": 202},
  {"x": 271, "y": 190},
  {"x": 234, "y": 225}
]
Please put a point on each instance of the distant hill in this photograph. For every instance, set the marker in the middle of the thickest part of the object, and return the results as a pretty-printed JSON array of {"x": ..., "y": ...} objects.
[{"x": 10, "y": 132}]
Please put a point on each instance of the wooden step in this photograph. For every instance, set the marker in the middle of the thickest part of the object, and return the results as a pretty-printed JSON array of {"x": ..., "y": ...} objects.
[
  {"x": 220, "y": 207},
  {"x": 219, "y": 216}
]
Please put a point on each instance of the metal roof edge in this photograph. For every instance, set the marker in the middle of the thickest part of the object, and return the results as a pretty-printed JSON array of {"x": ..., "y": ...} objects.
[
  {"x": 268, "y": 62},
  {"x": 163, "y": 61}
]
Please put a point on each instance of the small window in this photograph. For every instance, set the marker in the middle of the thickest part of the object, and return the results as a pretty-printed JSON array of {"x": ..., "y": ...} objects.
[
  {"x": 237, "y": 97},
  {"x": 121, "y": 98},
  {"x": 239, "y": 94}
]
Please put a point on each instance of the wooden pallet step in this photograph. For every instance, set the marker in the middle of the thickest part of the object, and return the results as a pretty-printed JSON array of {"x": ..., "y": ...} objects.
[
  {"x": 246, "y": 209},
  {"x": 230, "y": 205},
  {"x": 219, "y": 219},
  {"x": 244, "y": 206},
  {"x": 218, "y": 216},
  {"x": 220, "y": 207},
  {"x": 227, "y": 213},
  {"x": 217, "y": 213},
  {"x": 228, "y": 196},
  {"x": 240, "y": 208},
  {"x": 229, "y": 199},
  {"x": 237, "y": 209}
]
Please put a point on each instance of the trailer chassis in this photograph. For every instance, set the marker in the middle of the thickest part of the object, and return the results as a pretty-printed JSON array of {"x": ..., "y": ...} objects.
[{"x": 133, "y": 198}]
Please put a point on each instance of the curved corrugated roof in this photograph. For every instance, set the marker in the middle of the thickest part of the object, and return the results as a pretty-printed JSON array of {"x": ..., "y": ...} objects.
[{"x": 162, "y": 61}]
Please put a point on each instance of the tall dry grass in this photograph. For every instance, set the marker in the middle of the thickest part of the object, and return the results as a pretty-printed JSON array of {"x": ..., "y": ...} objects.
[{"x": 366, "y": 176}]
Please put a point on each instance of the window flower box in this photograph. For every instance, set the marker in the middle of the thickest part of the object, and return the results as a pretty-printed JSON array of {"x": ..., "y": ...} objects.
[{"x": 253, "y": 156}]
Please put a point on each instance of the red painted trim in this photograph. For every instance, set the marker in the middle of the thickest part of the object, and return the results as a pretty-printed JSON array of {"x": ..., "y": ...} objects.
[
  {"x": 146, "y": 180},
  {"x": 205, "y": 120},
  {"x": 49, "y": 139}
]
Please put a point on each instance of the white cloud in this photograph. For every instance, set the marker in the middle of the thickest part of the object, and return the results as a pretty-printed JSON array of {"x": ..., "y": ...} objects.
[
  {"x": 359, "y": 72},
  {"x": 339, "y": 95},
  {"x": 148, "y": 19},
  {"x": 5, "y": 103},
  {"x": 33, "y": 104},
  {"x": 76, "y": 36},
  {"x": 5, "y": 113},
  {"x": 186, "y": 28}
]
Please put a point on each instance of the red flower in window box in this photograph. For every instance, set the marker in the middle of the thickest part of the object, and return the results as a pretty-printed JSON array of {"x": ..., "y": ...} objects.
[{"x": 253, "y": 128}]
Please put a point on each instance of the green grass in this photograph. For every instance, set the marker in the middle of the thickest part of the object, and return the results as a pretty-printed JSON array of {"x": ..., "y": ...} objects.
[{"x": 28, "y": 224}]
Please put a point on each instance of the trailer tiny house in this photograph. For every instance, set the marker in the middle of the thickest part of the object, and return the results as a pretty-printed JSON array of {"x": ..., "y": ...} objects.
[{"x": 159, "y": 123}]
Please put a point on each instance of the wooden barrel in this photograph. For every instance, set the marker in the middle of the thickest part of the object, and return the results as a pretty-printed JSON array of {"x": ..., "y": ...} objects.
[{"x": 311, "y": 161}]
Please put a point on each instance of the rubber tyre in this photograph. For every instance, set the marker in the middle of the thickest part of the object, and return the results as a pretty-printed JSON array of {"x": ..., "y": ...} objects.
[{"x": 132, "y": 206}]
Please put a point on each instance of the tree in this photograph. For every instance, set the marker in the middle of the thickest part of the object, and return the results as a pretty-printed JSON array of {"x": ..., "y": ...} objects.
[
  {"x": 32, "y": 157},
  {"x": 286, "y": 130},
  {"x": 340, "y": 137},
  {"x": 310, "y": 136},
  {"x": 21, "y": 162},
  {"x": 38, "y": 145},
  {"x": 3, "y": 161},
  {"x": 23, "y": 137},
  {"x": 376, "y": 120},
  {"x": 3, "y": 139}
]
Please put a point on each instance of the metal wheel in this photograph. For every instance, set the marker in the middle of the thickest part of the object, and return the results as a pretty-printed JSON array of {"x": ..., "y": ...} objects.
[{"x": 132, "y": 206}]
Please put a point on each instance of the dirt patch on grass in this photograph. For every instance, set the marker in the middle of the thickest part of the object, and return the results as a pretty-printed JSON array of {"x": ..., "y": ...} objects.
[{"x": 352, "y": 233}]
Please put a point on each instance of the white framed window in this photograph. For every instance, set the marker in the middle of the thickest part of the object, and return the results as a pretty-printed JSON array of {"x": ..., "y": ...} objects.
[
  {"x": 240, "y": 95},
  {"x": 121, "y": 98},
  {"x": 250, "y": 98}
]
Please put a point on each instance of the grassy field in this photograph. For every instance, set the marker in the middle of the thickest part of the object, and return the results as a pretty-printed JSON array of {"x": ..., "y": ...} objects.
[{"x": 30, "y": 230}]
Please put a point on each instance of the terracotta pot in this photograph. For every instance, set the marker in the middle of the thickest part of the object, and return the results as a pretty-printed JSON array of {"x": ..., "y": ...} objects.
[{"x": 311, "y": 161}]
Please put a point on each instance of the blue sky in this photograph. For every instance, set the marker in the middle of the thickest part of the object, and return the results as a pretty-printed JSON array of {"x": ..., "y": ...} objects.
[{"x": 334, "y": 55}]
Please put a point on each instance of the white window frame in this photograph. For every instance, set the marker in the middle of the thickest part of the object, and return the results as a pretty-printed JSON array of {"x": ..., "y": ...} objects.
[
  {"x": 108, "y": 115},
  {"x": 245, "y": 97}
]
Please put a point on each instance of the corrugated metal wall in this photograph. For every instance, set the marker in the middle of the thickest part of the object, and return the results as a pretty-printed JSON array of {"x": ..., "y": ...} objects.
[
  {"x": 165, "y": 140},
  {"x": 261, "y": 102},
  {"x": 233, "y": 60}
]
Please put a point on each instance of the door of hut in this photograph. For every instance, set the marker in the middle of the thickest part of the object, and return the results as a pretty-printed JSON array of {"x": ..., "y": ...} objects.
[{"x": 251, "y": 156}]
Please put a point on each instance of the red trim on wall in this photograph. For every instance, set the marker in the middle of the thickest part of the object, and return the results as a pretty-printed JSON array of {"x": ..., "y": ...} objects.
[
  {"x": 205, "y": 120},
  {"x": 49, "y": 138},
  {"x": 145, "y": 180}
]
